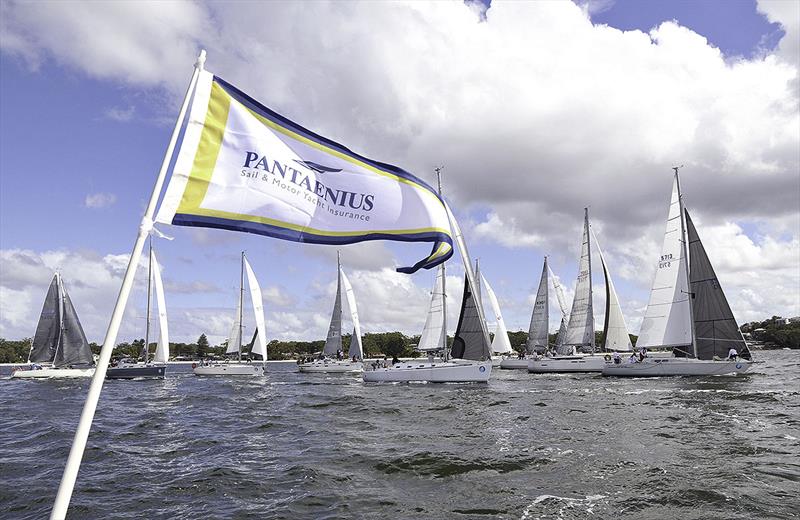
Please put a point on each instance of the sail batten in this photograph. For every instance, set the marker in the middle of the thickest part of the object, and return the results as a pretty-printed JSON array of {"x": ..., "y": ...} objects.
[{"x": 540, "y": 317}]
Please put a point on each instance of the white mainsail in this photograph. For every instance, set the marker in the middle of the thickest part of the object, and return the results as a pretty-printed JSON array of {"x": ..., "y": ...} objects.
[
  {"x": 615, "y": 331},
  {"x": 667, "y": 321},
  {"x": 580, "y": 330},
  {"x": 235, "y": 337},
  {"x": 433, "y": 335},
  {"x": 356, "y": 348},
  {"x": 260, "y": 346},
  {"x": 500, "y": 344},
  {"x": 162, "y": 349}
]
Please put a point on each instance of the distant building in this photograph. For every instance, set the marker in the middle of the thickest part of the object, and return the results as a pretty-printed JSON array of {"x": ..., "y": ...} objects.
[{"x": 796, "y": 319}]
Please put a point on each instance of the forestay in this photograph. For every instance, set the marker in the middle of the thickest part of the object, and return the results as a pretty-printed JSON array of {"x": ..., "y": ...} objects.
[
  {"x": 580, "y": 330},
  {"x": 667, "y": 320},
  {"x": 714, "y": 325}
]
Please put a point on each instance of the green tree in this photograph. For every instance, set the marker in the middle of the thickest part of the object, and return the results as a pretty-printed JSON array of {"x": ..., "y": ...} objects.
[{"x": 202, "y": 346}]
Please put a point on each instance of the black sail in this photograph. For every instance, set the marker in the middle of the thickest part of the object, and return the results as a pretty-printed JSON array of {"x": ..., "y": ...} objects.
[
  {"x": 470, "y": 338},
  {"x": 715, "y": 328},
  {"x": 45, "y": 340},
  {"x": 74, "y": 349}
]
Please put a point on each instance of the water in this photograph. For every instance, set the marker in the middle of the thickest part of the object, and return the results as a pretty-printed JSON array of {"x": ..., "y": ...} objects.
[{"x": 315, "y": 446}]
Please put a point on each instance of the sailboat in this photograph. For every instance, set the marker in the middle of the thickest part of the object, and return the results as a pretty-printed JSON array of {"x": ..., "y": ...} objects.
[
  {"x": 469, "y": 358},
  {"x": 59, "y": 347},
  {"x": 580, "y": 330},
  {"x": 239, "y": 367},
  {"x": 687, "y": 312},
  {"x": 157, "y": 367},
  {"x": 327, "y": 363},
  {"x": 501, "y": 345},
  {"x": 538, "y": 330}
]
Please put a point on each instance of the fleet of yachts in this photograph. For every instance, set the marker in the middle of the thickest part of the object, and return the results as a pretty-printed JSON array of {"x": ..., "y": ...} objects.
[{"x": 688, "y": 328}]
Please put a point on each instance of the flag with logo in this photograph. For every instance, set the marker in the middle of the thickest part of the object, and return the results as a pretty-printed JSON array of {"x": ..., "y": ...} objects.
[{"x": 243, "y": 167}]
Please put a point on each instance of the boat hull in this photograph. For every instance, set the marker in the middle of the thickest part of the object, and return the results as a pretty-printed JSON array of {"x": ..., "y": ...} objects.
[
  {"x": 136, "y": 372},
  {"x": 514, "y": 364},
  {"x": 498, "y": 360},
  {"x": 567, "y": 364},
  {"x": 676, "y": 367},
  {"x": 331, "y": 367},
  {"x": 229, "y": 369},
  {"x": 443, "y": 372},
  {"x": 47, "y": 372}
]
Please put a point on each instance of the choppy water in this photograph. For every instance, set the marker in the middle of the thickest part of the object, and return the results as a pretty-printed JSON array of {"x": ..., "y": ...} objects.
[{"x": 315, "y": 446}]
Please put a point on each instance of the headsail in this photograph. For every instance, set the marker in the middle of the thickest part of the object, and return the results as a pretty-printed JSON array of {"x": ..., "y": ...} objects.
[
  {"x": 73, "y": 348},
  {"x": 333, "y": 343},
  {"x": 580, "y": 330},
  {"x": 714, "y": 325},
  {"x": 540, "y": 318},
  {"x": 162, "y": 349},
  {"x": 260, "y": 347},
  {"x": 562, "y": 333},
  {"x": 615, "y": 332},
  {"x": 433, "y": 335},
  {"x": 48, "y": 330},
  {"x": 667, "y": 320},
  {"x": 356, "y": 348},
  {"x": 500, "y": 344},
  {"x": 470, "y": 341}
]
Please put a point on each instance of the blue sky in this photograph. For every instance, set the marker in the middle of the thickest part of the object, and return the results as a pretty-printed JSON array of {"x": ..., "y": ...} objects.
[{"x": 83, "y": 130}]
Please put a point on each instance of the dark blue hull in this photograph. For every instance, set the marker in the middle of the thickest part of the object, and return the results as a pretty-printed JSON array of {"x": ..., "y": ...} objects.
[{"x": 136, "y": 372}]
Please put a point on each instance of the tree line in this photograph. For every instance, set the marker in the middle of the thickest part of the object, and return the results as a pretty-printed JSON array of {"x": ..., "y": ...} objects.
[{"x": 774, "y": 332}]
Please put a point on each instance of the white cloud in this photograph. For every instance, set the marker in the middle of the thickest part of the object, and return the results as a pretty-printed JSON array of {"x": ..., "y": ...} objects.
[
  {"x": 99, "y": 200},
  {"x": 122, "y": 115},
  {"x": 786, "y": 13}
]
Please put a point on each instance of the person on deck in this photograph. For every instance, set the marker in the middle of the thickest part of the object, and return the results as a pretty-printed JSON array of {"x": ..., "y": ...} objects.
[
  {"x": 632, "y": 358},
  {"x": 617, "y": 358},
  {"x": 732, "y": 354}
]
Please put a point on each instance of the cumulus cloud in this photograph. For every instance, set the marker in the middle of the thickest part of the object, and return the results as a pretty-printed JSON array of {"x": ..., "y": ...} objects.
[
  {"x": 99, "y": 200},
  {"x": 535, "y": 111}
]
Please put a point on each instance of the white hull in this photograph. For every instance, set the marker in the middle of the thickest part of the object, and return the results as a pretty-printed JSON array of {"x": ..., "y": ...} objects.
[
  {"x": 659, "y": 367},
  {"x": 514, "y": 364},
  {"x": 230, "y": 369},
  {"x": 456, "y": 371},
  {"x": 498, "y": 360},
  {"x": 565, "y": 364},
  {"x": 47, "y": 372},
  {"x": 328, "y": 366}
]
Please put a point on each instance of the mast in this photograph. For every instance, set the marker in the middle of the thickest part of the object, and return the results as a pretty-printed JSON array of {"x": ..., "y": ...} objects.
[
  {"x": 241, "y": 303},
  {"x": 589, "y": 255},
  {"x": 445, "y": 352},
  {"x": 685, "y": 252},
  {"x": 146, "y": 350}
]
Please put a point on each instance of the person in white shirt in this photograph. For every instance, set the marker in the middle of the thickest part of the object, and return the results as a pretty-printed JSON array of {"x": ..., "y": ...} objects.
[{"x": 733, "y": 354}]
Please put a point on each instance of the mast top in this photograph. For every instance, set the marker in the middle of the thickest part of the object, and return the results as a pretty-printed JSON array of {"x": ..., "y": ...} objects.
[
  {"x": 201, "y": 60},
  {"x": 438, "y": 171},
  {"x": 676, "y": 168}
]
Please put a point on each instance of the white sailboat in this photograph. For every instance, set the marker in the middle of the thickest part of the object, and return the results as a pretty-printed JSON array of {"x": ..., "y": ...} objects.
[
  {"x": 239, "y": 367},
  {"x": 501, "y": 345},
  {"x": 59, "y": 347},
  {"x": 469, "y": 359},
  {"x": 158, "y": 366},
  {"x": 580, "y": 332},
  {"x": 328, "y": 363},
  {"x": 538, "y": 330},
  {"x": 687, "y": 312}
]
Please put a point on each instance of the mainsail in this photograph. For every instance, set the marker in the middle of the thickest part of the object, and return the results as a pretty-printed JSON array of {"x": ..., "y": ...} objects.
[
  {"x": 615, "y": 332},
  {"x": 540, "y": 318},
  {"x": 667, "y": 320},
  {"x": 470, "y": 341},
  {"x": 356, "y": 349},
  {"x": 73, "y": 349},
  {"x": 500, "y": 344},
  {"x": 48, "y": 330},
  {"x": 580, "y": 330},
  {"x": 433, "y": 335},
  {"x": 235, "y": 337},
  {"x": 162, "y": 349},
  {"x": 333, "y": 343},
  {"x": 260, "y": 347},
  {"x": 714, "y": 325}
]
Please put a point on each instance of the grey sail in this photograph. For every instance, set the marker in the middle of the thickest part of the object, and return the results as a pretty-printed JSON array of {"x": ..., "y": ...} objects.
[
  {"x": 715, "y": 327},
  {"x": 540, "y": 318},
  {"x": 45, "y": 341},
  {"x": 73, "y": 348},
  {"x": 333, "y": 343},
  {"x": 470, "y": 339},
  {"x": 356, "y": 348},
  {"x": 580, "y": 330},
  {"x": 561, "y": 348}
]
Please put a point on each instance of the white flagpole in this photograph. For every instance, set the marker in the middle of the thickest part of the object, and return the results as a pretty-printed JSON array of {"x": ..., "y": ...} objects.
[{"x": 67, "y": 485}]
